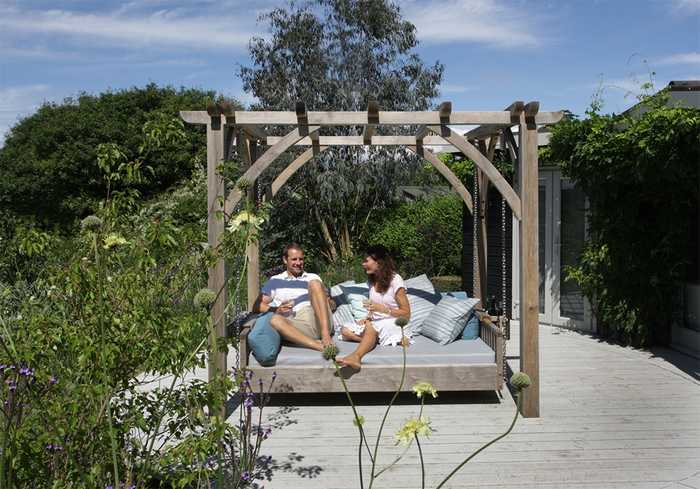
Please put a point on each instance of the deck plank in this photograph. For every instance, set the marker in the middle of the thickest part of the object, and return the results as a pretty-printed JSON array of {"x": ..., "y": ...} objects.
[{"x": 611, "y": 417}]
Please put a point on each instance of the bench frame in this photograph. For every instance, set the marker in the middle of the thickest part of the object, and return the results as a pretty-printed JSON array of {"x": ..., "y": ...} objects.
[{"x": 386, "y": 378}]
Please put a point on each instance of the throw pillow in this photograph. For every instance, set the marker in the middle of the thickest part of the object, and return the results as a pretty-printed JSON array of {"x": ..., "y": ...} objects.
[
  {"x": 354, "y": 295},
  {"x": 448, "y": 319},
  {"x": 422, "y": 299},
  {"x": 457, "y": 294},
  {"x": 471, "y": 330},
  {"x": 264, "y": 341},
  {"x": 342, "y": 316}
]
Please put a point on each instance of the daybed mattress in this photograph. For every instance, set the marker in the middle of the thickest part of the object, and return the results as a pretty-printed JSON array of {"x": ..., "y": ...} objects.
[{"x": 423, "y": 351}]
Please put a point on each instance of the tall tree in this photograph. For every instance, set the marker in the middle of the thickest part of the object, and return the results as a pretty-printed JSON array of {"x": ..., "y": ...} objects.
[{"x": 339, "y": 55}]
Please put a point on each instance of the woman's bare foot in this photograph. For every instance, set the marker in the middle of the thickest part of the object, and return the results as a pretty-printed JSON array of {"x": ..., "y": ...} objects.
[{"x": 352, "y": 361}]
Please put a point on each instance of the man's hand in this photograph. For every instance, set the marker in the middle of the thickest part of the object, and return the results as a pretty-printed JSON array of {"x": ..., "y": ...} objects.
[
  {"x": 326, "y": 340},
  {"x": 285, "y": 307}
]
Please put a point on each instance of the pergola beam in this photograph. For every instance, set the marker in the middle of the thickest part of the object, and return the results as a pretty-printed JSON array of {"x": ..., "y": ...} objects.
[
  {"x": 484, "y": 165},
  {"x": 345, "y": 118},
  {"x": 445, "y": 171},
  {"x": 292, "y": 168},
  {"x": 359, "y": 141},
  {"x": 255, "y": 170},
  {"x": 490, "y": 129}
]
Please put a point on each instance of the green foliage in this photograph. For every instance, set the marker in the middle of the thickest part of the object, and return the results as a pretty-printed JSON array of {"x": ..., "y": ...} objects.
[
  {"x": 339, "y": 55},
  {"x": 47, "y": 165},
  {"x": 99, "y": 316},
  {"x": 640, "y": 175},
  {"x": 424, "y": 236}
]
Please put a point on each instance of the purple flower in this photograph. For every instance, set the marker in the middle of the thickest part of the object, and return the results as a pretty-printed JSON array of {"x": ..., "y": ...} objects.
[
  {"x": 248, "y": 402},
  {"x": 26, "y": 372},
  {"x": 245, "y": 476},
  {"x": 274, "y": 375},
  {"x": 11, "y": 384},
  {"x": 49, "y": 447},
  {"x": 53, "y": 380}
]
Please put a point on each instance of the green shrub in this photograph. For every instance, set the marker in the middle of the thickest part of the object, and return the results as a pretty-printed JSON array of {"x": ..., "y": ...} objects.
[
  {"x": 424, "y": 236},
  {"x": 48, "y": 162}
]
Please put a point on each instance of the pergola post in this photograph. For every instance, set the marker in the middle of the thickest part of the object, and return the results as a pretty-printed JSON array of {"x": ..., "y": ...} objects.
[
  {"x": 247, "y": 150},
  {"x": 215, "y": 230},
  {"x": 529, "y": 267}
]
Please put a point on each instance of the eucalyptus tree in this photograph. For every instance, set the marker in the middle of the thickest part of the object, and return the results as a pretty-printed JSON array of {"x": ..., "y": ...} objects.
[{"x": 340, "y": 55}]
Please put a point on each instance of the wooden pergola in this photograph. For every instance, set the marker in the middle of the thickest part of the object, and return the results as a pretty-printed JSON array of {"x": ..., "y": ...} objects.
[{"x": 248, "y": 132}]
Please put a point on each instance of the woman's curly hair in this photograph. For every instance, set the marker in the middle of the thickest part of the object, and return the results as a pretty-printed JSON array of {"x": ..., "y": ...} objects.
[{"x": 381, "y": 280}]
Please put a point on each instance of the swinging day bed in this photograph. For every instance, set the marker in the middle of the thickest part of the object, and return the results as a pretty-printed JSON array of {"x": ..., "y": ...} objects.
[{"x": 457, "y": 348}]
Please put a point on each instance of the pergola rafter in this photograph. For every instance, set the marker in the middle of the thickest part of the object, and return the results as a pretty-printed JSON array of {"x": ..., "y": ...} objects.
[{"x": 251, "y": 130}]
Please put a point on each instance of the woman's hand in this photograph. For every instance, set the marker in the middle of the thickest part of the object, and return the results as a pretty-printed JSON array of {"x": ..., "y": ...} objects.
[{"x": 376, "y": 307}]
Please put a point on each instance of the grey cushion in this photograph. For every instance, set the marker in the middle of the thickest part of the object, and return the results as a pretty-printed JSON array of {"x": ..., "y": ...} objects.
[
  {"x": 447, "y": 320},
  {"x": 337, "y": 292},
  {"x": 423, "y": 351},
  {"x": 422, "y": 299}
]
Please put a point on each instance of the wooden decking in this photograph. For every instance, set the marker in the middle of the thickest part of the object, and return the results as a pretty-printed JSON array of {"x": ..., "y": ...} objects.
[{"x": 611, "y": 417}]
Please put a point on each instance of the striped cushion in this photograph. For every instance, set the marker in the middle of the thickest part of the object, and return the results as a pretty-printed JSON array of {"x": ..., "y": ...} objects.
[
  {"x": 342, "y": 315},
  {"x": 337, "y": 292},
  {"x": 447, "y": 320},
  {"x": 422, "y": 299}
]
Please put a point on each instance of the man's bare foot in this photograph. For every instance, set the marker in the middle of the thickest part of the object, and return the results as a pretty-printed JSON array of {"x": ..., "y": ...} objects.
[{"x": 352, "y": 361}]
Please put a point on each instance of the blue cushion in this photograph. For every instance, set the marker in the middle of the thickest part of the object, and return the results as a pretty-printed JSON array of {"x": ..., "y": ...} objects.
[
  {"x": 264, "y": 341},
  {"x": 354, "y": 295},
  {"x": 471, "y": 330},
  {"x": 447, "y": 320},
  {"x": 457, "y": 294}
]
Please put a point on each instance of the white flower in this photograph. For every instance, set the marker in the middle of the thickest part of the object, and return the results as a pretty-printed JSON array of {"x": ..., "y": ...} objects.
[{"x": 244, "y": 217}]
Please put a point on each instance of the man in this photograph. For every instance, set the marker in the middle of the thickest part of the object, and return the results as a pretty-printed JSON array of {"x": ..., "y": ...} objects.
[{"x": 301, "y": 312}]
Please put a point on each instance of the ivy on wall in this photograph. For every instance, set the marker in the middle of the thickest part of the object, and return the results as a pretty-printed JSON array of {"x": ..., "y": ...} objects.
[{"x": 641, "y": 176}]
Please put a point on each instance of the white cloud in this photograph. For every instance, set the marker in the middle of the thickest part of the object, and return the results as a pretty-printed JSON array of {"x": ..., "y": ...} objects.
[
  {"x": 452, "y": 88},
  {"x": 688, "y": 6},
  {"x": 681, "y": 59},
  {"x": 16, "y": 102},
  {"x": 163, "y": 27},
  {"x": 489, "y": 22}
]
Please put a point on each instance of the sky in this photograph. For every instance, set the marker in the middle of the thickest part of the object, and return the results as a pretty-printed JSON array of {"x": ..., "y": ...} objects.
[{"x": 560, "y": 53}]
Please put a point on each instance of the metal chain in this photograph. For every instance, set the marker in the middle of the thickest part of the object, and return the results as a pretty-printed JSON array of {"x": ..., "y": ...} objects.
[
  {"x": 504, "y": 278},
  {"x": 505, "y": 321},
  {"x": 475, "y": 216}
]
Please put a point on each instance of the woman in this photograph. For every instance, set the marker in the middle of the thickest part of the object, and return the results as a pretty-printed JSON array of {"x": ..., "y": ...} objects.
[{"x": 387, "y": 301}]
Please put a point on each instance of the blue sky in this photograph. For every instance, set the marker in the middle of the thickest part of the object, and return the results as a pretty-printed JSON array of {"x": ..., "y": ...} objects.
[{"x": 494, "y": 51}]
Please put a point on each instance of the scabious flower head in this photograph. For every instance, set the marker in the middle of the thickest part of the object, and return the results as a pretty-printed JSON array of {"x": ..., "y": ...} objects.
[
  {"x": 244, "y": 217},
  {"x": 53, "y": 380},
  {"x": 412, "y": 428},
  {"x": 91, "y": 223},
  {"x": 204, "y": 298},
  {"x": 401, "y": 321},
  {"x": 246, "y": 476},
  {"x": 520, "y": 381},
  {"x": 113, "y": 240},
  {"x": 423, "y": 388},
  {"x": 243, "y": 184},
  {"x": 330, "y": 352}
]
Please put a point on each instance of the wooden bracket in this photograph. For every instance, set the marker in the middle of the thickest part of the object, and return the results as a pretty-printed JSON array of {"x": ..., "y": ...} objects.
[
  {"x": 531, "y": 110},
  {"x": 445, "y": 110},
  {"x": 302, "y": 118},
  {"x": 372, "y": 121}
]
